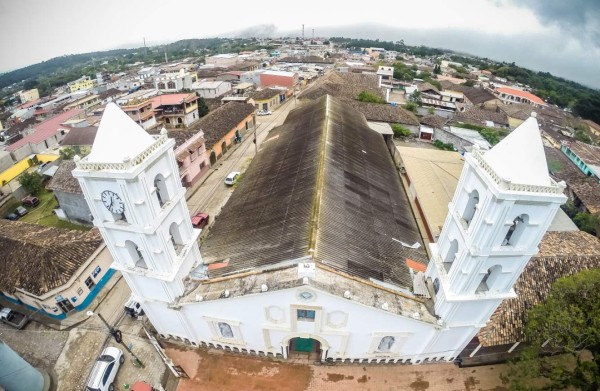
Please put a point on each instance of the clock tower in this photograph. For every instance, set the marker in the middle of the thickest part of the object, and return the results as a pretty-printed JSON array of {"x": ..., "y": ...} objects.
[{"x": 131, "y": 183}]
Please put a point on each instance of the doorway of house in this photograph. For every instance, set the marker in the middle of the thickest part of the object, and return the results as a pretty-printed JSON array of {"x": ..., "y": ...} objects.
[{"x": 307, "y": 348}]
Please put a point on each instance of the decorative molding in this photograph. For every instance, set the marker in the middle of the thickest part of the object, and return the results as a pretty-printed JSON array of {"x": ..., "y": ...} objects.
[
  {"x": 139, "y": 158},
  {"x": 306, "y": 294},
  {"x": 554, "y": 188},
  {"x": 337, "y": 319},
  {"x": 275, "y": 314}
]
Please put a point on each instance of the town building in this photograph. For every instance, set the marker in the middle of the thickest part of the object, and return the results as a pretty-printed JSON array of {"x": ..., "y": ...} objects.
[
  {"x": 211, "y": 89},
  {"x": 278, "y": 78},
  {"x": 29, "y": 95},
  {"x": 317, "y": 249},
  {"x": 512, "y": 95},
  {"x": 176, "y": 111},
  {"x": 141, "y": 111},
  {"x": 174, "y": 81},
  {"x": 586, "y": 157},
  {"x": 71, "y": 267},
  {"x": 71, "y": 203},
  {"x": 83, "y": 83}
]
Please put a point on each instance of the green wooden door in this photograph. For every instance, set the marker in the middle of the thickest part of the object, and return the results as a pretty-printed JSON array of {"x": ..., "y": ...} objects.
[{"x": 304, "y": 345}]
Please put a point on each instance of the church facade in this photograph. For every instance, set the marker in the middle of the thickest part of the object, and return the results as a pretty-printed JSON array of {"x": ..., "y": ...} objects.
[{"x": 317, "y": 250}]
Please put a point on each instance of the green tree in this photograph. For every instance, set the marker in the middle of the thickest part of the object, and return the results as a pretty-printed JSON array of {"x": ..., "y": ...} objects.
[
  {"x": 32, "y": 182},
  {"x": 415, "y": 97},
  {"x": 444, "y": 146},
  {"x": 430, "y": 110},
  {"x": 568, "y": 321},
  {"x": 67, "y": 153},
  {"x": 202, "y": 107},
  {"x": 588, "y": 222}
]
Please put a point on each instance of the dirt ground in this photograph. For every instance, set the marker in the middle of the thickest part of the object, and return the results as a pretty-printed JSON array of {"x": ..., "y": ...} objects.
[{"x": 221, "y": 371}]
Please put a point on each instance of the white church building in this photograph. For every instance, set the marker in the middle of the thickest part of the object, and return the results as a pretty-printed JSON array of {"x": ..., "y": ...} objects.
[{"x": 317, "y": 250}]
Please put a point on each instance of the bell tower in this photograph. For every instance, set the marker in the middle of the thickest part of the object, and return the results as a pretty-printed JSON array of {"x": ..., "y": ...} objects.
[
  {"x": 504, "y": 203},
  {"x": 130, "y": 181}
]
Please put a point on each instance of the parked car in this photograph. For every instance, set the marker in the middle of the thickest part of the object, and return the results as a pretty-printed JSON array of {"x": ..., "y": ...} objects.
[
  {"x": 105, "y": 370},
  {"x": 13, "y": 216},
  {"x": 13, "y": 318},
  {"x": 21, "y": 211},
  {"x": 264, "y": 112},
  {"x": 133, "y": 308},
  {"x": 200, "y": 220},
  {"x": 30, "y": 201},
  {"x": 231, "y": 178}
]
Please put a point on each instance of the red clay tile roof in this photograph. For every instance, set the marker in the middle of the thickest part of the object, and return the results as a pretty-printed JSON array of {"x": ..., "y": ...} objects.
[
  {"x": 39, "y": 259},
  {"x": 45, "y": 129},
  {"x": 63, "y": 179},
  {"x": 561, "y": 254},
  {"x": 522, "y": 94},
  {"x": 172, "y": 99},
  {"x": 417, "y": 266}
]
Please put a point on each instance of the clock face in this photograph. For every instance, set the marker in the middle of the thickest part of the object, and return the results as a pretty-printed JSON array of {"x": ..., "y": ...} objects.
[{"x": 113, "y": 202}]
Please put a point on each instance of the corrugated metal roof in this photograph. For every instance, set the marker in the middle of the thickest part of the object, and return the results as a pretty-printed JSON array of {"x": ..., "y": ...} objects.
[{"x": 323, "y": 186}]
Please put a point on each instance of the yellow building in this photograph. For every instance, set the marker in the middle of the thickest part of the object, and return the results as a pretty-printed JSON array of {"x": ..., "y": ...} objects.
[
  {"x": 83, "y": 83},
  {"x": 29, "y": 95}
]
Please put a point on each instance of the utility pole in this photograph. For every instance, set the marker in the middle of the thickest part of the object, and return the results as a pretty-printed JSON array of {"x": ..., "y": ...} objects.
[
  {"x": 255, "y": 141},
  {"x": 116, "y": 333}
]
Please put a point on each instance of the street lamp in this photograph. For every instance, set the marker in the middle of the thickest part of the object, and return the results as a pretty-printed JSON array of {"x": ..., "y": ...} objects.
[{"x": 116, "y": 333}]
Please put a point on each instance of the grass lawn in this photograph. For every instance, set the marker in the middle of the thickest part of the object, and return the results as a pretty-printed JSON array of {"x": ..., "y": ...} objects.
[{"x": 43, "y": 213}]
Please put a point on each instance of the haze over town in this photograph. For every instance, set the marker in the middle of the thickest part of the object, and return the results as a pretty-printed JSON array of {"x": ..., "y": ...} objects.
[{"x": 553, "y": 36}]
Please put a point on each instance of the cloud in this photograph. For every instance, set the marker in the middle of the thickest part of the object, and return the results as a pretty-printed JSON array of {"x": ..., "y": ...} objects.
[{"x": 579, "y": 18}]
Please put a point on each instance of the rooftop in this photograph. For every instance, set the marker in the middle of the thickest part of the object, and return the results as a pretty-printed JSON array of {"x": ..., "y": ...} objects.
[
  {"x": 172, "y": 99},
  {"x": 46, "y": 129},
  {"x": 522, "y": 94},
  {"x": 339, "y": 201},
  {"x": 217, "y": 123},
  {"x": 267, "y": 93},
  {"x": 476, "y": 116},
  {"x": 63, "y": 179},
  {"x": 39, "y": 259},
  {"x": 80, "y": 136},
  {"x": 435, "y": 175},
  {"x": 561, "y": 254}
]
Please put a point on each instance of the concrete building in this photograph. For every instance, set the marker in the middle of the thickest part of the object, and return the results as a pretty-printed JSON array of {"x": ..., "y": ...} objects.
[
  {"x": 211, "y": 89},
  {"x": 586, "y": 157},
  {"x": 176, "y": 111},
  {"x": 141, "y": 111},
  {"x": 70, "y": 266},
  {"x": 83, "y": 83},
  {"x": 278, "y": 78},
  {"x": 29, "y": 95},
  {"x": 268, "y": 283},
  {"x": 174, "y": 82},
  {"x": 512, "y": 95},
  {"x": 72, "y": 205}
]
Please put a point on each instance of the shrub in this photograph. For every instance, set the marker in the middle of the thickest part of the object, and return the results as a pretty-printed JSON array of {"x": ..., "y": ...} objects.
[
  {"x": 32, "y": 182},
  {"x": 400, "y": 131},
  {"x": 441, "y": 145},
  {"x": 411, "y": 106},
  {"x": 369, "y": 97}
]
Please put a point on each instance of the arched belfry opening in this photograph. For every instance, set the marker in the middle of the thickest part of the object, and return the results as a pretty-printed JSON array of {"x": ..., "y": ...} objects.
[
  {"x": 471, "y": 207},
  {"x": 451, "y": 255},
  {"x": 161, "y": 190},
  {"x": 515, "y": 231},
  {"x": 136, "y": 256}
]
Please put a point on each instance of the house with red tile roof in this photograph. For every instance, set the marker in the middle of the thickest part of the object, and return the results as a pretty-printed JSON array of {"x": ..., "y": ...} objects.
[
  {"x": 512, "y": 95},
  {"x": 44, "y": 135},
  {"x": 176, "y": 111}
]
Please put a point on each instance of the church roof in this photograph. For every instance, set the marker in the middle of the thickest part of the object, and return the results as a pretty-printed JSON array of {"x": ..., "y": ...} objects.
[
  {"x": 118, "y": 137},
  {"x": 323, "y": 187},
  {"x": 520, "y": 156}
]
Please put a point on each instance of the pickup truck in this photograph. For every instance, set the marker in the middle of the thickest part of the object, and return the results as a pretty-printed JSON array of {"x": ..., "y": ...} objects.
[{"x": 13, "y": 318}]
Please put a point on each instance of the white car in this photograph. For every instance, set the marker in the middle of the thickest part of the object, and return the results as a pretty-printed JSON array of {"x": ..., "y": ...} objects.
[
  {"x": 105, "y": 370},
  {"x": 264, "y": 112},
  {"x": 231, "y": 178}
]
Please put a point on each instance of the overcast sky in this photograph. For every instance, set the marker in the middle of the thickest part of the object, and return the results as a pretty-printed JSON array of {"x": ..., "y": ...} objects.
[{"x": 557, "y": 36}]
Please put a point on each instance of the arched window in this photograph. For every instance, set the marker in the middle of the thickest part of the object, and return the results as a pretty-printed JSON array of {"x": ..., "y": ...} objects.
[
  {"x": 135, "y": 255},
  {"x": 161, "y": 86},
  {"x": 451, "y": 255},
  {"x": 515, "y": 231},
  {"x": 161, "y": 190},
  {"x": 167, "y": 120},
  {"x": 225, "y": 330},
  {"x": 469, "y": 211},
  {"x": 171, "y": 85},
  {"x": 386, "y": 343},
  {"x": 179, "y": 120},
  {"x": 489, "y": 279},
  {"x": 175, "y": 236}
]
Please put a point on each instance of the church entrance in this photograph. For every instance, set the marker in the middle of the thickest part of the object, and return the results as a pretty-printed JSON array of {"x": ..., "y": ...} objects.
[{"x": 304, "y": 348}]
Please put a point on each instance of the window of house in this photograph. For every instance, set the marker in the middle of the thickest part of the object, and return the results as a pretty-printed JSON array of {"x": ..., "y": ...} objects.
[
  {"x": 179, "y": 120},
  {"x": 386, "y": 343},
  {"x": 89, "y": 283},
  {"x": 306, "y": 315},
  {"x": 225, "y": 330}
]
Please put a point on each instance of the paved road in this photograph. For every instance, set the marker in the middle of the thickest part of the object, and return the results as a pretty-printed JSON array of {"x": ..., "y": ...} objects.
[{"x": 211, "y": 194}]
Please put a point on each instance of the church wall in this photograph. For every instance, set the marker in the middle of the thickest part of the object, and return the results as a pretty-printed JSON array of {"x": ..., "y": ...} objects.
[{"x": 267, "y": 321}]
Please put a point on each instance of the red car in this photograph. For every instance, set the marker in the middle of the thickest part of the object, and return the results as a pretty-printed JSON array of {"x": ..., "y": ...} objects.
[{"x": 200, "y": 220}]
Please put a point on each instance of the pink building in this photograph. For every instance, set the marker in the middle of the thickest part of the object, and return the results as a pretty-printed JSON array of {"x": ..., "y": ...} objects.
[
  {"x": 278, "y": 78},
  {"x": 190, "y": 152}
]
